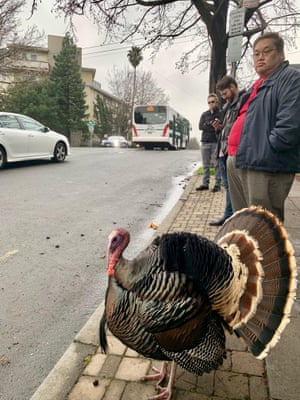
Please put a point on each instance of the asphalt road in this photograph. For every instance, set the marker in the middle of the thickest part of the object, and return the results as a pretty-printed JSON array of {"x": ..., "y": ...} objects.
[{"x": 55, "y": 219}]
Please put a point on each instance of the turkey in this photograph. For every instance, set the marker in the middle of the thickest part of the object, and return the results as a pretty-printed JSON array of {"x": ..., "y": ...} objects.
[{"x": 175, "y": 300}]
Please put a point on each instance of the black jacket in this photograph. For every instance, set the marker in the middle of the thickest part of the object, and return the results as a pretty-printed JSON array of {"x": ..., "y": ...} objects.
[{"x": 209, "y": 134}]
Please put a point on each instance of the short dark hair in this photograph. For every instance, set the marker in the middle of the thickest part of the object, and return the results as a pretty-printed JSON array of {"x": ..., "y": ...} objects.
[
  {"x": 225, "y": 82},
  {"x": 274, "y": 36},
  {"x": 213, "y": 95}
]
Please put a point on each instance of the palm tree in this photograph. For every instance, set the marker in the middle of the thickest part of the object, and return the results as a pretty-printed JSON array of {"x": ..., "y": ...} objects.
[{"x": 135, "y": 57}]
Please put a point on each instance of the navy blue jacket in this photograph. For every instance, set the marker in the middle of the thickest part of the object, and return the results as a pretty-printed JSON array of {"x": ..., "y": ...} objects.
[{"x": 270, "y": 139}]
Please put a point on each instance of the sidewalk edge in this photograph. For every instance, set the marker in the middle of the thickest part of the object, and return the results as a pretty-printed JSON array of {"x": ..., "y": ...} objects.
[{"x": 70, "y": 366}]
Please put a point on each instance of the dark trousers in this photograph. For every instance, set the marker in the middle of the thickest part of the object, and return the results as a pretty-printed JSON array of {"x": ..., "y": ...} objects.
[
  {"x": 259, "y": 188},
  {"x": 208, "y": 153}
]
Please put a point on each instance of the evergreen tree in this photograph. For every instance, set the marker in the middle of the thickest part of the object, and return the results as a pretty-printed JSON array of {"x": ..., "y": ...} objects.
[
  {"x": 69, "y": 88},
  {"x": 103, "y": 116},
  {"x": 33, "y": 98}
]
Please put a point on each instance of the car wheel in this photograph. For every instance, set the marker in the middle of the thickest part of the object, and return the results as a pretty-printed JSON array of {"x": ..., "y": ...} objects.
[
  {"x": 60, "y": 152},
  {"x": 2, "y": 157}
]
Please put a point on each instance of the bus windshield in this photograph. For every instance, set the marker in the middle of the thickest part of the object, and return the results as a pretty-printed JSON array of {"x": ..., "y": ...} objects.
[{"x": 150, "y": 115}]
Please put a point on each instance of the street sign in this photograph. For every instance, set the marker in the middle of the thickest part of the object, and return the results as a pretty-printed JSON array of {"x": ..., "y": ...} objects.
[
  {"x": 236, "y": 22},
  {"x": 91, "y": 126},
  {"x": 234, "y": 48}
]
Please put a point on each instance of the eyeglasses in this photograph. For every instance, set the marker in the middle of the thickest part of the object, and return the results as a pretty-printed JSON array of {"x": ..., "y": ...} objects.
[
  {"x": 211, "y": 102},
  {"x": 263, "y": 53}
]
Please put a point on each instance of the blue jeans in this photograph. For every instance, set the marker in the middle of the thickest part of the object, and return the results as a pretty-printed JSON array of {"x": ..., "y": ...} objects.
[
  {"x": 208, "y": 152},
  {"x": 228, "y": 207}
]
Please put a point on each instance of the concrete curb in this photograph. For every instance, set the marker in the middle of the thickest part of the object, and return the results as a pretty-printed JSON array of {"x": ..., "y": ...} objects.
[
  {"x": 68, "y": 369},
  {"x": 167, "y": 222}
]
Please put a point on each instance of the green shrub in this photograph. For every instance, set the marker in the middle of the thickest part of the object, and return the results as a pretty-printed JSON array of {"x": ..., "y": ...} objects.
[{"x": 200, "y": 171}]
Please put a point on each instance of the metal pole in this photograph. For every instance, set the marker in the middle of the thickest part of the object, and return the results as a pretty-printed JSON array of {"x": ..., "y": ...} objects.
[{"x": 233, "y": 69}]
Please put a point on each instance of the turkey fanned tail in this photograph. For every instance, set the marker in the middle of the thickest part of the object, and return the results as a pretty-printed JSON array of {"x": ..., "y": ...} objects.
[{"x": 258, "y": 242}]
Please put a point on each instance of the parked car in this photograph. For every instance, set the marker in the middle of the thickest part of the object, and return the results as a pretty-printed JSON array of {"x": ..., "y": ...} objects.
[
  {"x": 114, "y": 141},
  {"x": 23, "y": 138}
]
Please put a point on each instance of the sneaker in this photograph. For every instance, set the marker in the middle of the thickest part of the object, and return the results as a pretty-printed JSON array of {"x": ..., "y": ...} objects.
[
  {"x": 216, "y": 189},
  {"x": 202, "y": 187}
]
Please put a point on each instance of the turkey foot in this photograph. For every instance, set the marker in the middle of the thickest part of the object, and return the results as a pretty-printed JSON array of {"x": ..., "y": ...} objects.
[
  {"x": 165, "y": 392},
  {"x": 159, "y": 376}
]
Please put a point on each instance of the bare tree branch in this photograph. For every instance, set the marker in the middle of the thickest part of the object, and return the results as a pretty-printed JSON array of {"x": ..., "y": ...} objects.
[{"x": 158, "y": 23}]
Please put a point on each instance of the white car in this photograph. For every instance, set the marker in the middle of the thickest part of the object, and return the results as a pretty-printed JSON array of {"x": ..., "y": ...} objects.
[{"x": 23, "y": 138}]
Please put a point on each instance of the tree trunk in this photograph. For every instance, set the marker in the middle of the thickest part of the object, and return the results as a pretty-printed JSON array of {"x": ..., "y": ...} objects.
[
  {"x": 132, "y": 104},
  {"x": 218, "y": 35},
  {"x": 217, "y": 65}
]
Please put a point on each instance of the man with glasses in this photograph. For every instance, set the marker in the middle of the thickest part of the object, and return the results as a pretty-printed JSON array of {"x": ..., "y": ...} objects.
[
  {"x": 209, "y": 142},
  {"x": 264, "y": 142}
]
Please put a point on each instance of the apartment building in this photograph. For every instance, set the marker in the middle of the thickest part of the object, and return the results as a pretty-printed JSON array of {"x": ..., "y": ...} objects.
[{"x": 20, "y": 62}]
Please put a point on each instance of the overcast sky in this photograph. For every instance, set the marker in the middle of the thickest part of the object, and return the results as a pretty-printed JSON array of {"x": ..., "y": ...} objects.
[{"x": 187, "y": 92}]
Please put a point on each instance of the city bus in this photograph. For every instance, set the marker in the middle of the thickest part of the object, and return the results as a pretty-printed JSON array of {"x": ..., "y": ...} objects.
[{"x": 159, "y": 126}]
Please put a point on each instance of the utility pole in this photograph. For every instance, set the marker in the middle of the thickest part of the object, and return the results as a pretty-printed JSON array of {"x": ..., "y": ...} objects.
[{"x": 233, "y": 69}]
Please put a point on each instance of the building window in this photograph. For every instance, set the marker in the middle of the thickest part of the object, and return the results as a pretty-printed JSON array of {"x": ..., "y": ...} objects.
[{"x": 32, "y": 57}]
